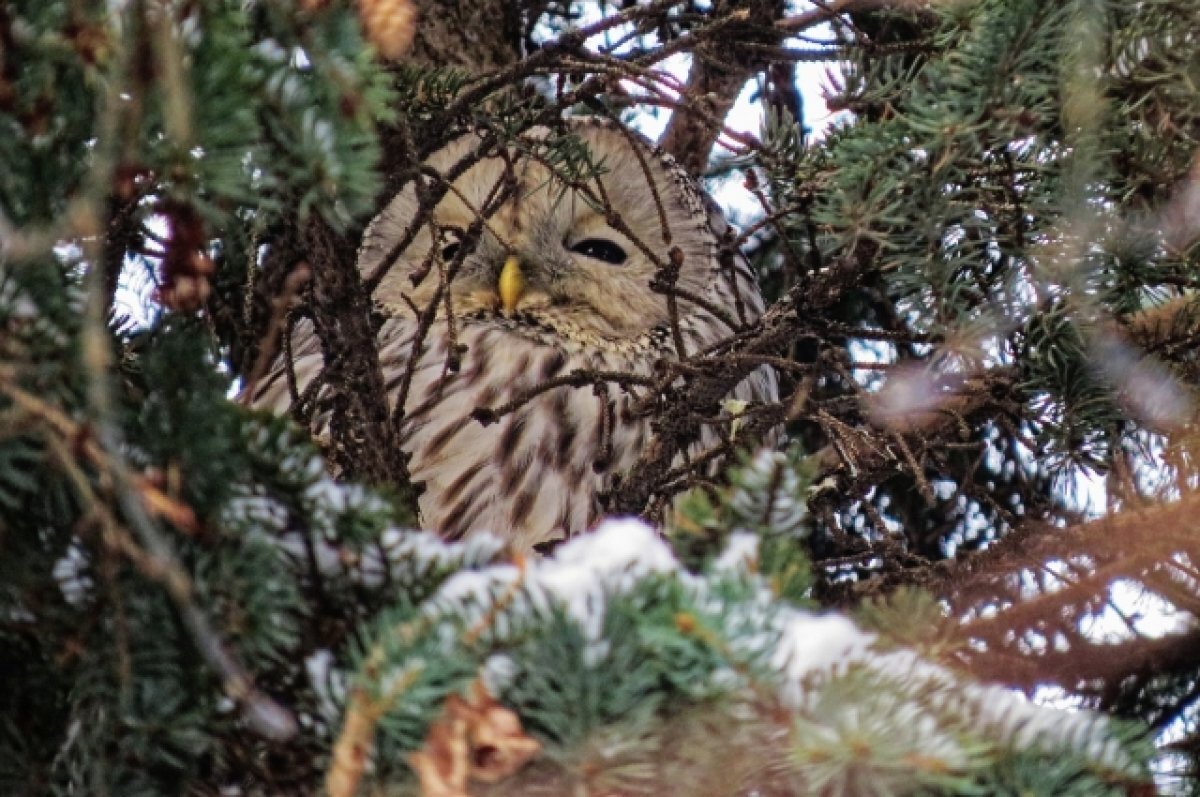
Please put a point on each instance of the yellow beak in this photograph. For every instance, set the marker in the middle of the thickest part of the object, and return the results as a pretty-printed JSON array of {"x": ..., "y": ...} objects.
[{"x": 512, "y": 284}]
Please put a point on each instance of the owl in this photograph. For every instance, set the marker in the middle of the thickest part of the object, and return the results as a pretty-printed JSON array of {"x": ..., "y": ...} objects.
[{"x": 536, "y": 275}]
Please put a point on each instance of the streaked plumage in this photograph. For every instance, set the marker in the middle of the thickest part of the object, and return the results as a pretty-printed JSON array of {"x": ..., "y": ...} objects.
[{"x": 568, "y": 300}]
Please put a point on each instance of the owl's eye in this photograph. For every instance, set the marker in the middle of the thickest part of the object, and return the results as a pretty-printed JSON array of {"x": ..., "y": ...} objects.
[
  {"x": 600, "y": 249},
  {"x": 451, "y": 241}
]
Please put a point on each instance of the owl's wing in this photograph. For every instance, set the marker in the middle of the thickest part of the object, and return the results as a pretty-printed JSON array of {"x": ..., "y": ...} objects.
[
  {"x": 735, "y": 290},
  {"x": 274, "y": 390}
]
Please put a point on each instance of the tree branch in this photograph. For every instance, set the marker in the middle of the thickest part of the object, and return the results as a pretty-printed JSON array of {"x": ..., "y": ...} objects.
[
  {"x": 362, "y": 440},
  {"x": 716, "y": 78}
]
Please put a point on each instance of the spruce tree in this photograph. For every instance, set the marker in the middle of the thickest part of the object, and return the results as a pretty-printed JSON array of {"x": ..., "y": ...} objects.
[{"x": 982, "y": 311}]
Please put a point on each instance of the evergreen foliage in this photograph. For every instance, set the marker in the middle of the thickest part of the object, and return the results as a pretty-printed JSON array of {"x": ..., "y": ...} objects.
[
  {"x": 983, "y": 291},
  {"x": 609, "y": 650}
]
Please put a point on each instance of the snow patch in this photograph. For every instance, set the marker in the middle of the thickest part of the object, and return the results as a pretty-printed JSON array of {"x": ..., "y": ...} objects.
[{"x": 741, "y": 553}]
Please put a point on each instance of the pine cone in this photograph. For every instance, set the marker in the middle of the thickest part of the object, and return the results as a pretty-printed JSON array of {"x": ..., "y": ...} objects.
[
  {"x": 185, "y": 269},
  {"x": 389, "y": 25}
]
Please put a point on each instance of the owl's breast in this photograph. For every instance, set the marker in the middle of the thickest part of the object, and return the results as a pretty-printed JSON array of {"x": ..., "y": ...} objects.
[
  {"x": 562, "y": 428},
  {"x": 532, "y": 474}
]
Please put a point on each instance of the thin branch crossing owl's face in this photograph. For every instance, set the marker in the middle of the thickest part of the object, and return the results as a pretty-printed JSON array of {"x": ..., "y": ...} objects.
[{"x": 541, "y": 254}]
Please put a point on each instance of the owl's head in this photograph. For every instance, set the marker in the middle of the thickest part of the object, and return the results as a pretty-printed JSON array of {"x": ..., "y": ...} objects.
[{"x": 516, "y": 245}]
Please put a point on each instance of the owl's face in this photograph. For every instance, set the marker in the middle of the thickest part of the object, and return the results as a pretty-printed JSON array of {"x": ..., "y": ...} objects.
[{"x": 574, "y": 260}]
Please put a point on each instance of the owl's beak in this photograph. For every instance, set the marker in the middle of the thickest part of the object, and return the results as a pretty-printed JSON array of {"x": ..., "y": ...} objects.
[{"x": 511, "y": 284}]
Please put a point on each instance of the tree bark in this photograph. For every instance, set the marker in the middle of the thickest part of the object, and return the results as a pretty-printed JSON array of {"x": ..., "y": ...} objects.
[{"x": 477, "y": 37}]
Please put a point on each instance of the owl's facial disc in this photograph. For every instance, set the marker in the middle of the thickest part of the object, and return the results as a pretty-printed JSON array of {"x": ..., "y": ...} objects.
[
  {"x": 564, "y": 267},
  {"x": 579, "y": 275}
]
